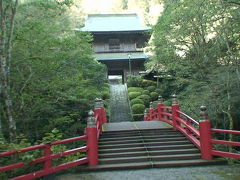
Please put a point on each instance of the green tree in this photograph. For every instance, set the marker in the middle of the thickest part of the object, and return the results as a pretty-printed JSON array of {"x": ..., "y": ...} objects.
[
  {"x": 197, "y": 47},
  {"x": 7, "y": 19},
  {"x": 54, "y": 76}
]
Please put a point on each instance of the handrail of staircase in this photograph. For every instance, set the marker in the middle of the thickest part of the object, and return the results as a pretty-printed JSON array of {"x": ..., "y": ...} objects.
[
  {"x": 46, "y": 159},
  {"x": 94, "y": 128},
  {"x": 224, "y": 142},
  {"x": 199, "y": 133}
]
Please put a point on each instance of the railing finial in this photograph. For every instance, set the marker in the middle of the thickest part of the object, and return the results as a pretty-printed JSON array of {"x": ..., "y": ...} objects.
[
  {"x": 145, "y": 112},
  {"x": 160, "y": 99},
  {"x": 151, "y": 105},
  {"x": 91, "y": 122},
  {"x": 203, "y": 113},
  {"x": 98, "y": 103},
  {"x": 174, "y": 99}
]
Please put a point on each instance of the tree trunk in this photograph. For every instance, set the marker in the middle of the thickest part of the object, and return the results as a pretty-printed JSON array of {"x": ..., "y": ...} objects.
[{"x": 7, "y": 12}]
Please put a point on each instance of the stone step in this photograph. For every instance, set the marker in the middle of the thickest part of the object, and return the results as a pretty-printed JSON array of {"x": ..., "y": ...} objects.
[
  {"x": 149, "y": 148},
  {"x": 141, "y": 144},
  {"x": 104, "y": 139},
  {"x": 151, "y": 153},
  {"x": 153, "y": 164},
  {"x": 149, "y": 158},
  {"x": 139, "y": 140},
  {"x": 139, "y": 130},
  {"x": 103, "y": 135}
]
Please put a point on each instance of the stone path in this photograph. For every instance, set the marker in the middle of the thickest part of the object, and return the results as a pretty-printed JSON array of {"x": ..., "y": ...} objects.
[
  {"x": 121, "y": 126},
  {"x": 119, "y": 107},
  {"x": 219, "y": 172}
]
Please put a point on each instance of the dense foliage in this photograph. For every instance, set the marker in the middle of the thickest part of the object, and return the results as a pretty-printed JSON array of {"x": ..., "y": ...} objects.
[
  {"x": 197, "y": 45},
  {"x": 141, "y": 92},
  {"x": 54, "y": 77}
]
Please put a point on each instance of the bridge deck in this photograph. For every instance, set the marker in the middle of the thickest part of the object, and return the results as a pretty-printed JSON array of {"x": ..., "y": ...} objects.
[{"x": 121, "y": 126}]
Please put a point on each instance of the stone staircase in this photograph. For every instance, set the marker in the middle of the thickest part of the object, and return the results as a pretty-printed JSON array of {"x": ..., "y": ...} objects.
[{"x": 147, "y": 148}]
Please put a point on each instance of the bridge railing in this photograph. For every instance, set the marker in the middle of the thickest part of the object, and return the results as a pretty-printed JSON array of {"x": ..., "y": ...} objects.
[
  {"x": 198, "y": 132},
  {"x": 89, "y": 149}
]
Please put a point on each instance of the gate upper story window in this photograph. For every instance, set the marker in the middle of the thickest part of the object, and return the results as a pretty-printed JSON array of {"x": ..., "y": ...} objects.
[{"x": 114, "y": 44}]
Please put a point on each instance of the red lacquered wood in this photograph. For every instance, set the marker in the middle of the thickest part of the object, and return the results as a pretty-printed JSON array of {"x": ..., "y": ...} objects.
[
  {"x": 225, "y": 131},
  {"x": 188, "y": 117},
  {"x": 205, "y": 139},
  {"x": 160, "y": 108},
  {"x": 151, "y": 111},
  {"x": 12, "y": 166},
  {"x": 188, "y": 126},
  {"x": 31, "y": 148},
  {"x": 226, "y": 154},
  {"x": 47, "y": 153},
  {"x": 92, "y": 145},
  {"x": 51, "y": 170},
  {"x": 192, "y": 138},
  {"x": 84, "y": 137},
  {"x": 230, "y": 143},
  {"x": 58, "y": 155}
]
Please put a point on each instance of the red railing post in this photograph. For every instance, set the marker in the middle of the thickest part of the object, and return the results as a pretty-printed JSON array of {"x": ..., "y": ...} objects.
[
  {"x": 151, "y": 111},
  {"x": 104, "y": 116},
  {"x": 175, "y": 114},
  {"x": 145, "y": 118},
  {"x": 98, "y": 109},
  {"x": 160, "y": 107},
  {"x": 47, "y": 152},
  {"x": 205, "y": 134},
  {"x": 92, "y": 140}
]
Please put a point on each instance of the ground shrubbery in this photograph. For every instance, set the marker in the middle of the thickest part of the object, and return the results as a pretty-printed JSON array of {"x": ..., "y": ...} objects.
[
  {"x": 138, "y": 108},
  {"x": 146, "y": 92},
  {"x": 146, "y": 99},
  {"x": 135, "y": 89},
  {"x": 133, "y": 95},
  {"x": 141, "y": 92},
  {"x": 154, "y": 96},
  {"x": 136, "y": 101}
]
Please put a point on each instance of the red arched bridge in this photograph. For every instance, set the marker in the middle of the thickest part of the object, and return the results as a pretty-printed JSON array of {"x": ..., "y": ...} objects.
[{"x": 119, "y": 148}]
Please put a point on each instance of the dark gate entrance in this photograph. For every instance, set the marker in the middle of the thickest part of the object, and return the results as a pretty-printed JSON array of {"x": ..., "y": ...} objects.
[{"x": 113, "y": 73}]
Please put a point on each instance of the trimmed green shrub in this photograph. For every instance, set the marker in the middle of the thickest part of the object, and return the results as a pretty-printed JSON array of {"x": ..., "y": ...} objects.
[
  {"x": 135, "y": 89},
  {"x": 147, "y": 92},
  {"x": 105, "y": 95},
  {"x": 146, "y": 83},
  {"x": 154, "y": 96},
  {"x": 134, "y": 81},
  {"x": 133, "y": 95},
  {"x": 146, "y": 99},
  {"x": 107, "y": 85},
  {"x": 136, "y": 101},
  {"x": 138, "y": 117},
  {"x": 151, "y": 88},
  {"x": 138, "y": 108}
]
